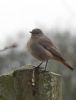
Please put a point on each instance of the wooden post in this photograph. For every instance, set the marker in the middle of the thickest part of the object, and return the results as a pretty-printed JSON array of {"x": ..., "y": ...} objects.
[{"x": 31, "y": 84}]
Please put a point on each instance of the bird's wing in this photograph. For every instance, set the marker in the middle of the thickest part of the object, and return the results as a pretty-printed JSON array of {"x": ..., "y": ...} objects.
[{"x": 47, "y": 44}]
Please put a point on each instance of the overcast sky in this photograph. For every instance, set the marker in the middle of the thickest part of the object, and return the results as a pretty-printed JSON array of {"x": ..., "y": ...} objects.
[{"x": 24, "y": 15}]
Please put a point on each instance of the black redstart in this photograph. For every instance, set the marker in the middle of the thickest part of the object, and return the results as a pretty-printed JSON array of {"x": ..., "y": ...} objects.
[{"x": 42, "y": 48}]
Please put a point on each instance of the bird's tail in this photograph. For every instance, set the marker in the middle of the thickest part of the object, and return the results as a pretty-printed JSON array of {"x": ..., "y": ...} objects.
[{"x": 67, "y": 65}]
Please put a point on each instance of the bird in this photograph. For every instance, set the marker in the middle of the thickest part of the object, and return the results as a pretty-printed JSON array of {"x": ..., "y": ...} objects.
[{"x": 43, "y": 49}]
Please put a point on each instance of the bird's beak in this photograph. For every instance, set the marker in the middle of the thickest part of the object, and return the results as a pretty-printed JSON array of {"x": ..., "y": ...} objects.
[{"x": 30, "y": 31}]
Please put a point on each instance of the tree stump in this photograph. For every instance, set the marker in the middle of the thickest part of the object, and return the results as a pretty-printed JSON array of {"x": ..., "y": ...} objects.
[{"x": 31, "y": 84}]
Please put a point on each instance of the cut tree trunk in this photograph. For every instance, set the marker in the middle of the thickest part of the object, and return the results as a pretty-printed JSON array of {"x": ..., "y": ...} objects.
[{"x": 31, "y": 84}]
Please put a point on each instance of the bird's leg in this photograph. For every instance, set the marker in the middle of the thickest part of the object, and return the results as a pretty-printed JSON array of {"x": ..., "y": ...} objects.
[
  {"x": 37, "y": 65},
  {"x": 40, "y": 64},
  {"x": 46, "y": 64}
]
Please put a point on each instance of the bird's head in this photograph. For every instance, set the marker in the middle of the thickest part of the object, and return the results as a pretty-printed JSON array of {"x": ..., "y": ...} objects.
[{"x": 36, "y": 32}]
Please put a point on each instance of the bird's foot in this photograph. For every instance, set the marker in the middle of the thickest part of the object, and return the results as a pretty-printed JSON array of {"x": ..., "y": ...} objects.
[
  {"x": 35, "y": 67},
  {"x": 41, "y": 69}
]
